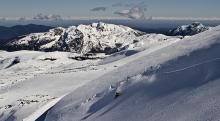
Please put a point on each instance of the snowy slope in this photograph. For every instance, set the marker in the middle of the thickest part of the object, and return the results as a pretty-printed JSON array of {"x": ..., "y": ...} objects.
[
  {"x": 31, "y": 82},
  {"x": 177, "y": 82},
  {"x": 35, "y": 81}
]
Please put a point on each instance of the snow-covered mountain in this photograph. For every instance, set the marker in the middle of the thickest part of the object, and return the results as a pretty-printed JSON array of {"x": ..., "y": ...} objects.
[
  {"x": 188, "y": 30},
  {"x": 156, "y": 78},
  {"x": 95, "y": 38}
]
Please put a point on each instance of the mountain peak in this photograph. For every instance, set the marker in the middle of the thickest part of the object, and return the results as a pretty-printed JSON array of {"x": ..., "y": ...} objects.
[{"x": 96, "y": 37}]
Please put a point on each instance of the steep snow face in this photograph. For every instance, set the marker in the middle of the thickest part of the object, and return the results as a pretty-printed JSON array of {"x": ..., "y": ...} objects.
[
  {"x": 177, "y": 82},
  {"x": 95, "y": 38},
  {"x": 191, "y": 29}
]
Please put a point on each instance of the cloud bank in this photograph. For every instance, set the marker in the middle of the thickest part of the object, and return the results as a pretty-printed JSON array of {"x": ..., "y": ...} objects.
[
  {"x": 99, "y": 9},
  {"x": 50, "y": 17},
  {"x": 22, "y": 19}
]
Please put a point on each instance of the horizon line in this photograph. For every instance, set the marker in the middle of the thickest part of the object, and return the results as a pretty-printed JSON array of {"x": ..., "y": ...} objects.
[{"x": 107, "y": 18}]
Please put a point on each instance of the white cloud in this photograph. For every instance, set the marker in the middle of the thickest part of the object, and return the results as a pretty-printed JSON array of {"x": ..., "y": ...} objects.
[
  {"x": 50, "y": 17},
  {"x": 136, "y": 11},
  {"x": 133, "y": 13},
  {"x": 3, "y": 19}
]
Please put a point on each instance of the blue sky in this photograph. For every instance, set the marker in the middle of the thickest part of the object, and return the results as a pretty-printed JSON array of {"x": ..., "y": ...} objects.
[{"x": 82, "y": 8}]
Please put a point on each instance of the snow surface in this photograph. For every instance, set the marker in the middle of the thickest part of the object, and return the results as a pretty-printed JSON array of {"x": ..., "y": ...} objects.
[
  {"x": 28, "y": 87},
  {"x": 157, "y": 78}
]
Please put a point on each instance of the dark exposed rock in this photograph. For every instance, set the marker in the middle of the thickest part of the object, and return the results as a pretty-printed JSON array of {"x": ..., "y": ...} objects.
[{"x": 14, "y": 62}]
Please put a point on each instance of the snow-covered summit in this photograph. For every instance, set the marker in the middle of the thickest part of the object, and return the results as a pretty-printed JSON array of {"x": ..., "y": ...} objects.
[
  {"x": 97, "y": 37},
  {"x": 191, "y": 29}
]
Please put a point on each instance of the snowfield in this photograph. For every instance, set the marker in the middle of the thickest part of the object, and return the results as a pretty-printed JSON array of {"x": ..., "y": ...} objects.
[{"x": 157, "y": 78}]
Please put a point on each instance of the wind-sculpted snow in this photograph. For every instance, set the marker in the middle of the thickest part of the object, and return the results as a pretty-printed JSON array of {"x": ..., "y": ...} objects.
[{"x": 177, "y": 82}]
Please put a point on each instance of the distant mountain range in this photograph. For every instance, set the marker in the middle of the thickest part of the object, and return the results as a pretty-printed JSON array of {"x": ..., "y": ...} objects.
[
  {"x": 188, "y": 30},
  {"x": 83, "y": 39},
  {"x": 8, "y": 33}
]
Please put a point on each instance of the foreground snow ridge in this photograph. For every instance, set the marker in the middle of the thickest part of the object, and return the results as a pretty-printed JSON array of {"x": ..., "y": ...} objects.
[{"x": 156, "y": 78}]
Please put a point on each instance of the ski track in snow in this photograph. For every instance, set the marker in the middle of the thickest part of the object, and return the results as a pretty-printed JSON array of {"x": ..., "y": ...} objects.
[
  {"x": 34, "y": 116},
  {"x": 192, "y": 66}
]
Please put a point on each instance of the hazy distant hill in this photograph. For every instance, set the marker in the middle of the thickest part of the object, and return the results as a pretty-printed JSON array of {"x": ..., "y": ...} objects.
[{"x": 7, "y": 33}]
